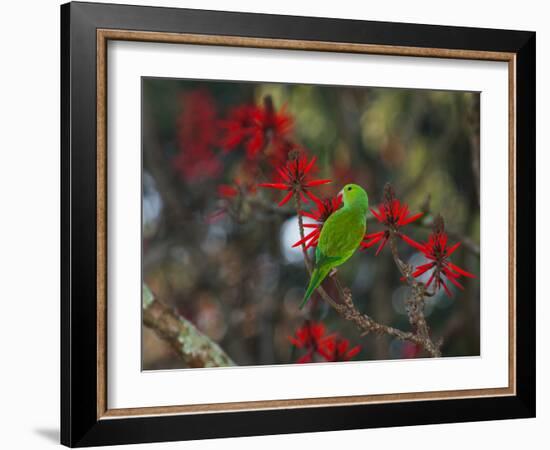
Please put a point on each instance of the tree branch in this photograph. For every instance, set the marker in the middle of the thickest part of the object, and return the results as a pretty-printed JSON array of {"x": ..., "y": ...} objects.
[
  {"x": 194, "y": 348},
  {"x": 415, "y": 303}
]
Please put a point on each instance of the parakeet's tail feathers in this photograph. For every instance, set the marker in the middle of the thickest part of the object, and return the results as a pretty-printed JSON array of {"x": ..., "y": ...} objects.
[{"x": 317, "y": 278}]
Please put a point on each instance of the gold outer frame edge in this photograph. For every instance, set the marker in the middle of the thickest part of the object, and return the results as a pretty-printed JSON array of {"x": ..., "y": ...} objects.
[{"x": 103, "y": 36}]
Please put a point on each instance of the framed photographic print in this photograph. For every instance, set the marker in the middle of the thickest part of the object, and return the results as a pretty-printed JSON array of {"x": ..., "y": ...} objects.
[{"x": 276, "y": 224}]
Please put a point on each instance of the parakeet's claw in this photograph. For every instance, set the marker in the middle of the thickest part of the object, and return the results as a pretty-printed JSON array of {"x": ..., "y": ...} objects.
[{"x": 333, "y": 272}]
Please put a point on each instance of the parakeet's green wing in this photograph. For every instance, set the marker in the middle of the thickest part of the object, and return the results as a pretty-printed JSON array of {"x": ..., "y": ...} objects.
[
  {"x": 323, "y": 260},
  {"x": 341, "y": 235}
]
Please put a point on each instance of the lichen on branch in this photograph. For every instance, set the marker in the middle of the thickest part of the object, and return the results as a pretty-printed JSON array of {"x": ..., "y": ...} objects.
[{"x": 193, "y": 347}]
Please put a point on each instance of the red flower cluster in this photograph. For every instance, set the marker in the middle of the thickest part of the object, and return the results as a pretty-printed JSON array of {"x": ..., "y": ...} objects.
[
  {"x": 324, "y": 209},
  {"x": 238, "y": 127},
  {"x": 265, "y": 135},
  {"x": 295, "y": 178},
  {"x": 394, "y": 215},
  {"x": 312, "y": 338},
  {"x": 436, "y": 250},
  {"x": 338, "y": 349},
  {"x": 258, "y": 128},
  {"x": 197, "y": 137},
  {"x": 262, "y": 131}
]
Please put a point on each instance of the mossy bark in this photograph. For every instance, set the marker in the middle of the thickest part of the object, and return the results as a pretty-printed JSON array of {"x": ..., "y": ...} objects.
[{"x": 194, "y": 348}]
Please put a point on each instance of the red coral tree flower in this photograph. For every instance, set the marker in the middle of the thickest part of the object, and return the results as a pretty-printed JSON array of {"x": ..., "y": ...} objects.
[
  {"x": 238, "y": 127},
  {"x": 197, "y": 136},
  {"x": 312, "y": 338},
  {"x": 394, "y": 215},
  {"x": 323, "y": 211},
  {"x": 256, "y": 128},
  {"x": 338, "y": 349},
  {"x": 295, "y": 178},
  {"x": 437, "y": 251},
  {"x": 270, "y": 127}
]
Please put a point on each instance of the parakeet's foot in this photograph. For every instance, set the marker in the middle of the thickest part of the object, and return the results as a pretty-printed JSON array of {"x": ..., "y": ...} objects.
[{"x": 333, "y": 272}]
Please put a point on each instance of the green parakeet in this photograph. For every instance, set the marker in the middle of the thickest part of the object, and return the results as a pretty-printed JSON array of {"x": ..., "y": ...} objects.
[{"x": 340, "y": 236}]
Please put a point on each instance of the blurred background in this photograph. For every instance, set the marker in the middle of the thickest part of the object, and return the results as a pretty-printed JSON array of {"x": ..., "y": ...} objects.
[{"x": 218, "y": 250}]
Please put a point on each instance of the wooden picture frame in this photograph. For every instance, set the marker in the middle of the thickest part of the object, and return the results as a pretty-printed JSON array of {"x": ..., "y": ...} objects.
[{"x": 86, "y": 418}]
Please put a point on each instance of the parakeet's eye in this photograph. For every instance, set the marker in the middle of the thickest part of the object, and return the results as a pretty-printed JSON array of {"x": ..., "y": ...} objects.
[{"x": 349, "y": 189}]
